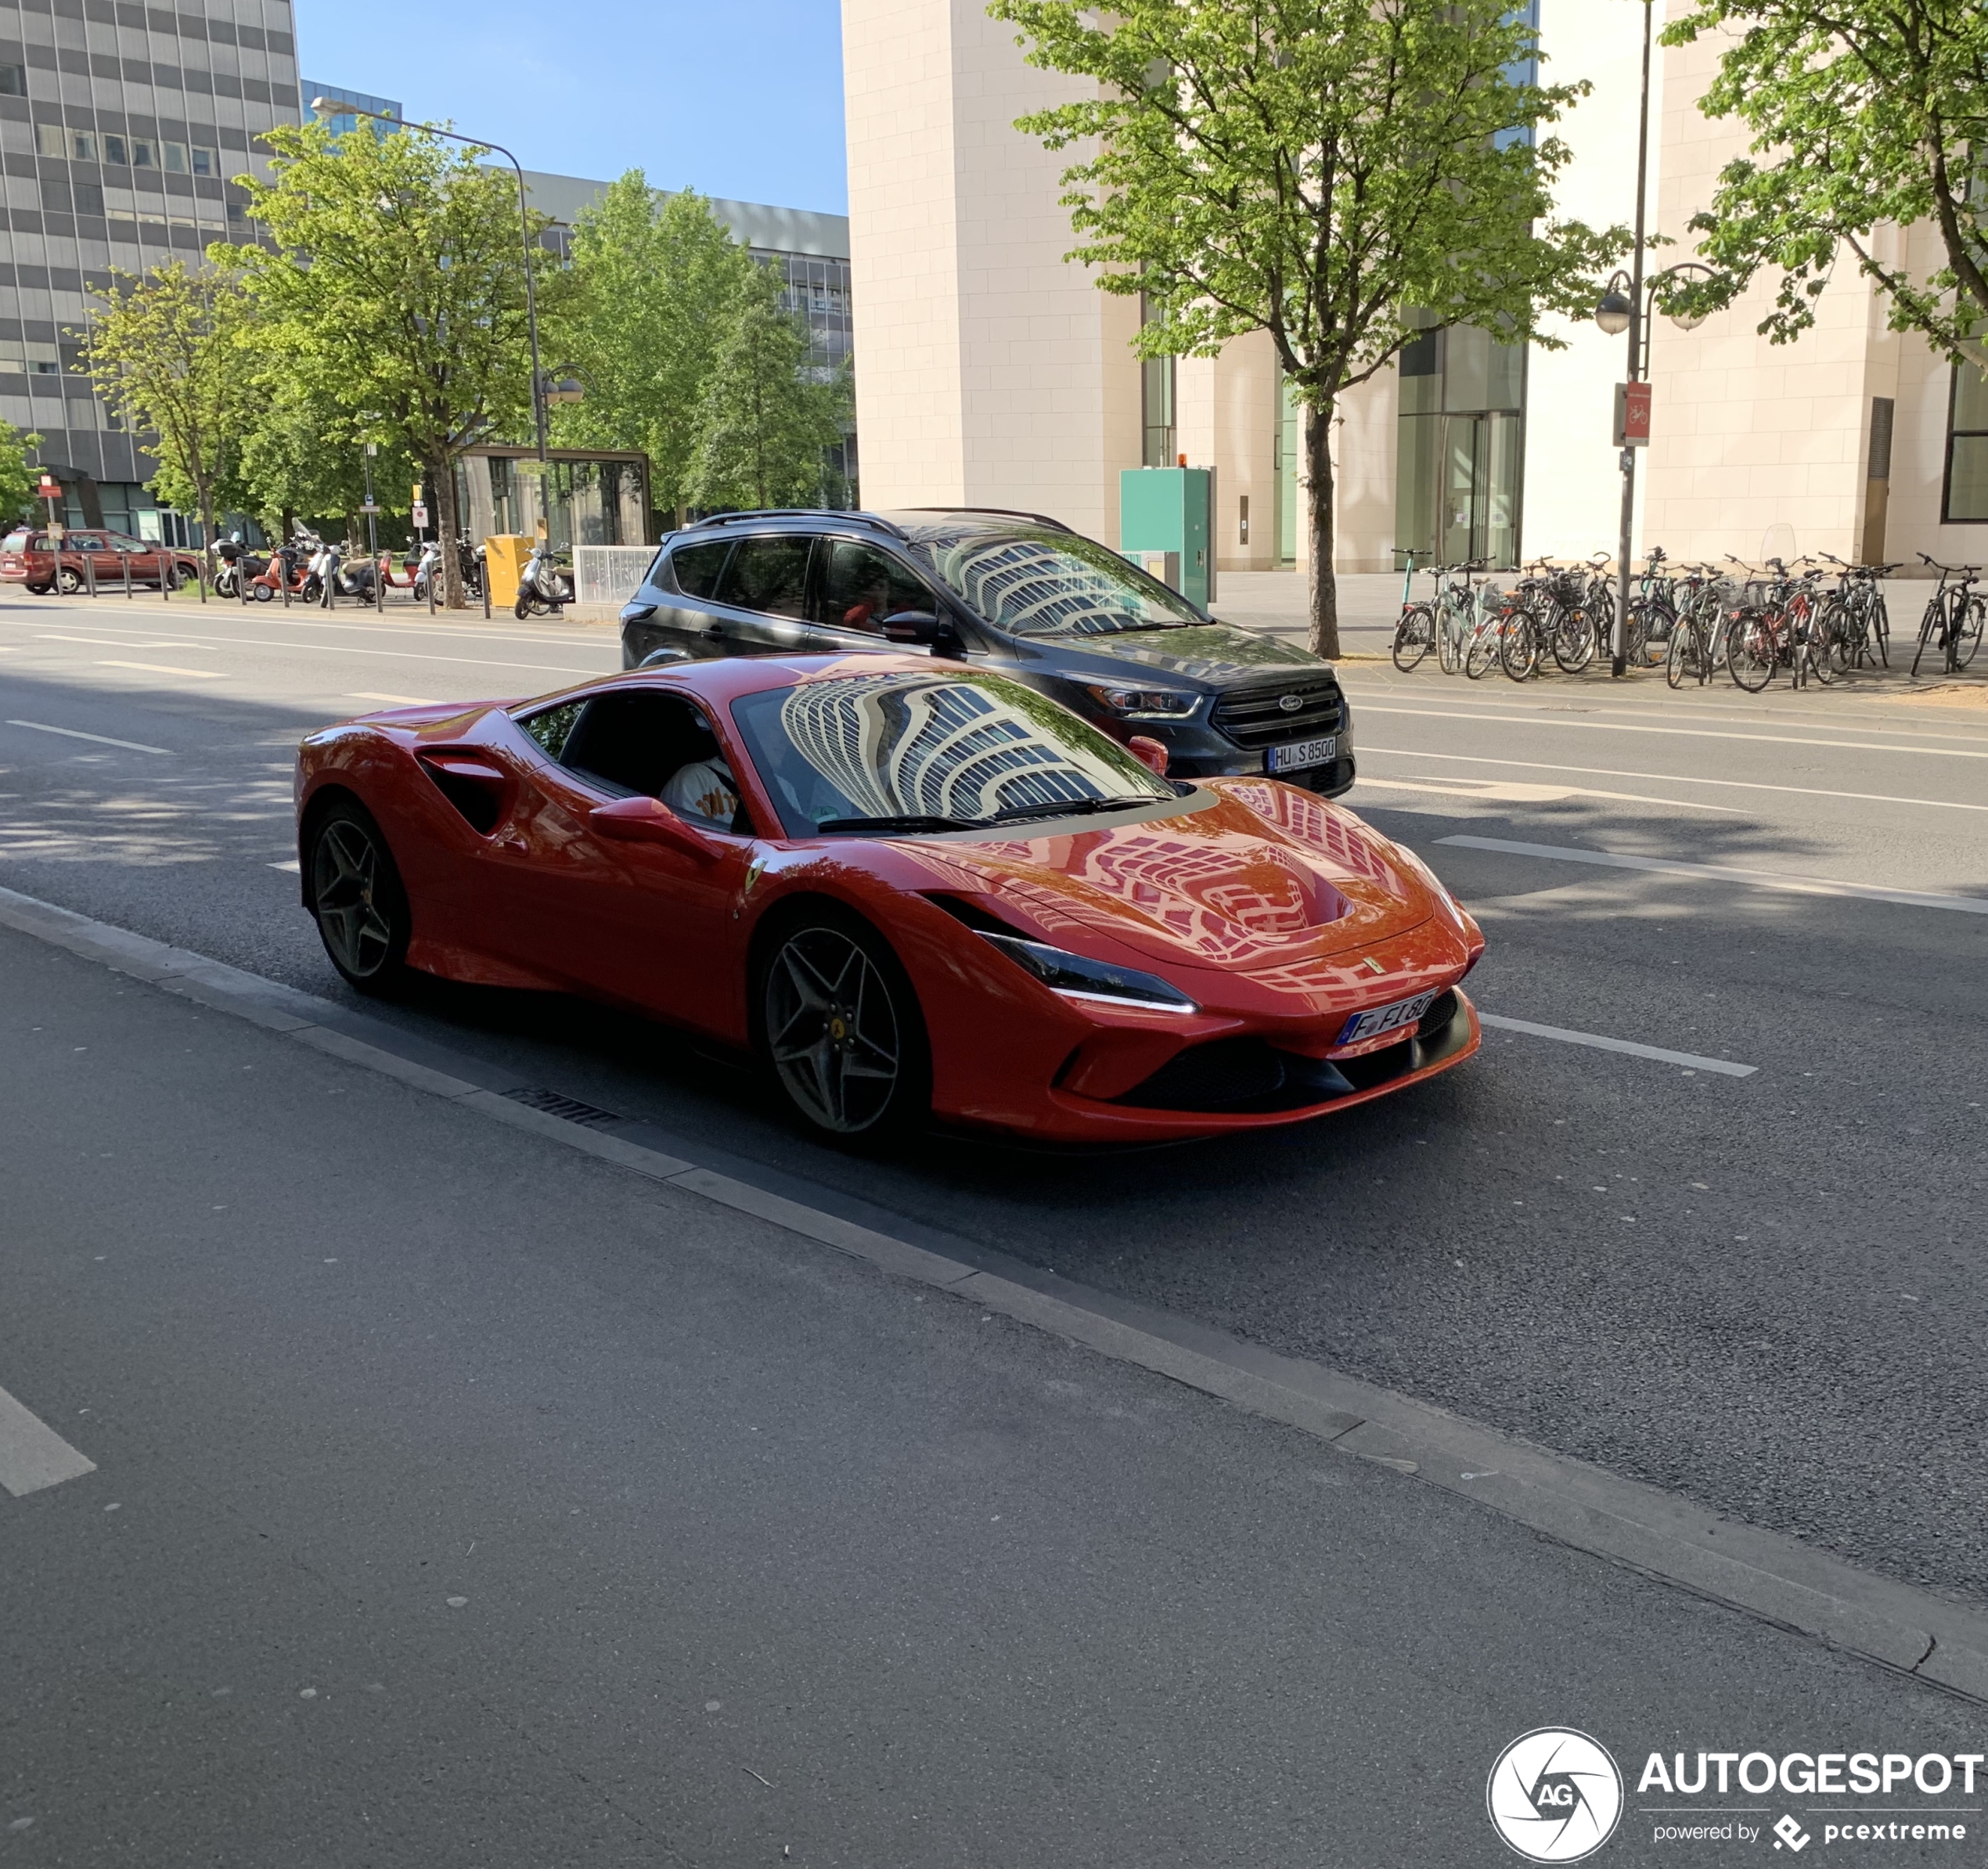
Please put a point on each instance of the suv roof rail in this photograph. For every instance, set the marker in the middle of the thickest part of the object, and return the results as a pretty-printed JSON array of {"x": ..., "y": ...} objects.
[
  {"x": 1041, "y": 519},
  {"x": 821, "y": 513}
]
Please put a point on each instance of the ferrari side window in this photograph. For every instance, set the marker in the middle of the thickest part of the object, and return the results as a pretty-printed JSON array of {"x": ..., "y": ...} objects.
[{"x": 551, "y": 726}]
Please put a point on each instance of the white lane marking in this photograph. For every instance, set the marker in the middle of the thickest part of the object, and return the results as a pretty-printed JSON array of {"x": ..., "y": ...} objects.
[
  {"x": 1690, "y": 1060},
  {"x": 1608, "y": 772},
  {"x": 402, "y": 700},
  {"x": 32, "y": 1454},
  {"x": 1505, "y": 792},
  {"x": 291, "y": 864},
  {"x": 1721, "y": 872},
  {"x": 47, "y": 636},
  {"x": 102, "y": 740},
  {"x": 205, "y": 675},
  {"x": 1605, "y": 726}
]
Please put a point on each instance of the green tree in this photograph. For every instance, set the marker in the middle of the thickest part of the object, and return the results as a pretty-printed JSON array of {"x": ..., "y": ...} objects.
[
  {"x": 1321, "y": 169},
  {"x": 303, "y": 459},
  {"x": 658, "y": 285},
  {"x": 767, "y": 416},
  {"x": 18, "y": 479},
  {"x": 164, "y": 355},
  {"x": 397, "y": 287},
  {"x": 1864, "y": 114}
]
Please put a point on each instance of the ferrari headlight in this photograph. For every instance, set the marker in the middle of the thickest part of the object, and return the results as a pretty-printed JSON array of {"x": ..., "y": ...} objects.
[
  {"x": 1144, "y": 703},
  {"x": 1076, "y": 977}
]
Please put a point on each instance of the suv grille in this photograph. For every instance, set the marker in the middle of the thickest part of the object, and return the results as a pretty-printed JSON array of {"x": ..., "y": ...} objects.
[{"x": 1255, "y": 717}]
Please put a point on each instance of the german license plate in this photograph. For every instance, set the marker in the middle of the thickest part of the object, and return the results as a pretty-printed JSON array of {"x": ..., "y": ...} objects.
[
  {"x": 1302, "y": 752},
  {"x": 1377, "y": 1019}
]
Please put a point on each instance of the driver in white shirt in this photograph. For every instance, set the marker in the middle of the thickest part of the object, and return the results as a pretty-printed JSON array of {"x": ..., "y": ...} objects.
[{"x": 705, "y": 792}]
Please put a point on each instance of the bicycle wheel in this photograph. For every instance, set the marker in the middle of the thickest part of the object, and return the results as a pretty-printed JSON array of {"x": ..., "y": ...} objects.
[
  {"x": 1684, "y": 660},
  {"x": 1414, "y": 636},
  {"x": 1751, "y": 651},
  {"x": 1482, "y": 656},
  {"x": 1573, "y": 640},
  {"x": 1878, "y": 623},
  {"x": 1518, "y": 645},
  {"x": 1933, "y": 628},
  {"x": 1967, "y": 637},
  {"x": 1649, "y": 632}
]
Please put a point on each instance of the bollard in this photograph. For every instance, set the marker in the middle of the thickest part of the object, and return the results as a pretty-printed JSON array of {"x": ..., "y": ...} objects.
[
  {"x": 124, "y": 559},
  {"x": 432, "y": 570},
  {"x": 485, "y": 582},
  {"x": 203, "y": 581},
  {"x": 89, "y": 573}
]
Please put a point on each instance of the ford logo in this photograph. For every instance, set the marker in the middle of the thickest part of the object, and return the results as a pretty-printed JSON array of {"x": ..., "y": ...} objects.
[{"x": 1290, "y": 702}]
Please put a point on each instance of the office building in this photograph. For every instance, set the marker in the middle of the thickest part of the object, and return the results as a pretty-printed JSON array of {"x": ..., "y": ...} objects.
[
  {"x": 995, "y": 374},
  {"x": 120, "y": 125}
]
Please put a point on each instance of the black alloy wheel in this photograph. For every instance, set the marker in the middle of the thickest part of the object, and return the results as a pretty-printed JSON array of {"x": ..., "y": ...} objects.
[
  {"x": 839, "y": 1026},
  {"x": 358, "y": 898}
]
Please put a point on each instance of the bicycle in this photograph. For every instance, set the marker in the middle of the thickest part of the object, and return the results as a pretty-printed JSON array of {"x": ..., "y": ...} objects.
[
  {"x": 1456, "y": 606},
  {"x": 1415, "y": 631},
  {"x": 1858, "y": 621},
  {"x": 1954, "y": 616}
]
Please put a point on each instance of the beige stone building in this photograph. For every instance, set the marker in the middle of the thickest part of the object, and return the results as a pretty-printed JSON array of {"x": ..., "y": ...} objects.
[{"x": 994, "y": 373}]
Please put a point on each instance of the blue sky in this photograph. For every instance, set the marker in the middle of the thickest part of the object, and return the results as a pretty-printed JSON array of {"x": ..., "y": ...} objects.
[{"x": 740, "y": 98}]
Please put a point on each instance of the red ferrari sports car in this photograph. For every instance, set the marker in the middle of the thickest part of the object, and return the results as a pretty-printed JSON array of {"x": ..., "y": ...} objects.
[{"x": 913, "y": 888}]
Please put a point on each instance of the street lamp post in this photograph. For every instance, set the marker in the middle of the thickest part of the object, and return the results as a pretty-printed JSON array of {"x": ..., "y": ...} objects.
[
  {"x": 325, "y": 106},
  {"x": 1619, "y": 662}
]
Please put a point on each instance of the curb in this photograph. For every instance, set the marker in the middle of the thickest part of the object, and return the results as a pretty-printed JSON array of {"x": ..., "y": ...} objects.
[{"x": 1660, "y": 1535}]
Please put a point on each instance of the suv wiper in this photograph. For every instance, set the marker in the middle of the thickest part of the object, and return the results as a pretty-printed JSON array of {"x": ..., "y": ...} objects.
[{"x": 909, "y": 821}]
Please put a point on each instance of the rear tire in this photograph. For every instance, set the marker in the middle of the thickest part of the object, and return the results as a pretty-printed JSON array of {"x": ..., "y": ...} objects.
[
  {"x": 264, "y": 594},
  {"x": 1518, "y": 645},
  {"x": 1414, "y": 636},
  {"x": 1482, "y": 656},
  {"x": 1969, "y": 638},
  {"x": 1750, "y": 653},
  {"x": 1573, "y": 641},
  {"x": 837, "y": 1022},
  {"x": 1680, "y": 661},
  {"x": 358, "y": 899}
]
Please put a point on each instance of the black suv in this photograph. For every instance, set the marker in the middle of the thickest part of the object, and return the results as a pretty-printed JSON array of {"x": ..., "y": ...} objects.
[{"x": 1017, "y": 592}]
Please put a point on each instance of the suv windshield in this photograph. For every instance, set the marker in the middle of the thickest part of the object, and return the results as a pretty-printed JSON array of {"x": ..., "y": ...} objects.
[
  {"x": 1047, "y": 583},
  {"x": 917, "y": 751}
]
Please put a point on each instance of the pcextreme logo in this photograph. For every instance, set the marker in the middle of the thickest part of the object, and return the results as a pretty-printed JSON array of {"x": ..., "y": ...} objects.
[{"x": 1555, "y": 1795}]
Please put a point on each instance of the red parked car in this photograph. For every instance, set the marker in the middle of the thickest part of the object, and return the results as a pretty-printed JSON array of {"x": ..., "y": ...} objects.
[
  {"x": 27, "y": 557},
  {"x": 914, "y": 888}
]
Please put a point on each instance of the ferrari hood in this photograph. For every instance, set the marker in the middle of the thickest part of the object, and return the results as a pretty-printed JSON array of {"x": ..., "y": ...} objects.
[{"x": 1264, "y": 876}]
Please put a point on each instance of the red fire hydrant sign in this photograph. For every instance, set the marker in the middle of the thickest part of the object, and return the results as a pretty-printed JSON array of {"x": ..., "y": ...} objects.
[{"x": 1632, "y": 415}]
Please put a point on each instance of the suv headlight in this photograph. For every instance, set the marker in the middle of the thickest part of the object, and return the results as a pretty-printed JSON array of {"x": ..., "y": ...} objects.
[
  {"x": 1077, "y": 978},
  {"x": 1144, "y": 703}
]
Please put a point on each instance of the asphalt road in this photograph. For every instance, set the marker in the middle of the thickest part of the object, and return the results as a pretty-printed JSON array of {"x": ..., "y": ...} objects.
[
  {"x": 461, "y": 1500},
  {"x": 1765, "y": 1292}
]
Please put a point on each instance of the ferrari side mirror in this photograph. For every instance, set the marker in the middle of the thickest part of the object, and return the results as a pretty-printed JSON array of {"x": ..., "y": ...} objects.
[
  {"x": 649, "y": 821},
  {"x": 1149, "y": 752}
]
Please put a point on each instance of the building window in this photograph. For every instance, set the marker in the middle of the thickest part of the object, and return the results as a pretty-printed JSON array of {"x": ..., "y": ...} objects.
[
  {"x": 13, "y": 80},
  {"x": 1966, "y": 500},
  {"x": 1460, "y": 448},
  {"x": 1156, "y": 383}
]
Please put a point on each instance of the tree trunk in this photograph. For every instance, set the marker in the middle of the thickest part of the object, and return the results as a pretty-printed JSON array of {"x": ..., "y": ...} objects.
[
  {"x": 207, "y": 530},
  {"x": 451, "y": 565},
  {"x": 1324, "y": 582}
]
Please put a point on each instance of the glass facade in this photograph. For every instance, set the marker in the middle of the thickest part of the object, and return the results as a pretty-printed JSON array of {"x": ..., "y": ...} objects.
[
  {"x": 583, "y": 498},
  {"x": 343, "y": 121},
  {"x": 120, "y": 126},
  {"x": 1966, "y": 498},
  {"x": 1460, "y": 448}
]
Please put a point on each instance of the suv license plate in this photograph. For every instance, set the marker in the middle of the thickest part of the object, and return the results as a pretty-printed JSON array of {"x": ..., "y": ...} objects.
[
  {"x": 1301, "y": 753},
  {"x": 1377, "y": 1019}
]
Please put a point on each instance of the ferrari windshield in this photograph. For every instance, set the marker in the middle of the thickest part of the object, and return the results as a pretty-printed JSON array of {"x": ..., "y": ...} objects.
[
  {"x": 1047, "y": 583},
  {"x": 908, "y": 752}
]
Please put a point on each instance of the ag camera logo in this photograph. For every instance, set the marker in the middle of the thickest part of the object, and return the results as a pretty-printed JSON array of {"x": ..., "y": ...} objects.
[{"x": 1555, "y": 1795}]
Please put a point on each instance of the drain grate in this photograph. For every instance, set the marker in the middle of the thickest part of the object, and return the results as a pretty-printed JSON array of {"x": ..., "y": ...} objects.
[{"x": 568, "y": 1109}]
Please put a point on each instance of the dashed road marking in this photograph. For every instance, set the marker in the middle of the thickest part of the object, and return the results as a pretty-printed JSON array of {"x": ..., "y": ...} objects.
[
  {"x": 102, "y": 740},
  {"x": 205, "y": 675},
  {"x": 1691, "y": 1061},
  {"x": 1721, "y": 872},
  {"x": 32, "y": 1454}
]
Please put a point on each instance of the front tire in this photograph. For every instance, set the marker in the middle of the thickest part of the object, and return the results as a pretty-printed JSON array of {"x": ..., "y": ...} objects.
[
  {"x": 358, "y": 899},
  {"x": 839, "y": 1026},
  {"x": 1414, "y": 635},
  {"x": 69, "y": 582}
]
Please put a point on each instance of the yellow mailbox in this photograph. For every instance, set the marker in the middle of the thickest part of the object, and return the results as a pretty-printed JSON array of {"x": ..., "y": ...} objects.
[{"x": 503, "y": 564}]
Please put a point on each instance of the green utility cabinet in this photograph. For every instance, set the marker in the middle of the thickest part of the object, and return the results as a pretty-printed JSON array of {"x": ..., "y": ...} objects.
[{"x": 1171, "y": 510}]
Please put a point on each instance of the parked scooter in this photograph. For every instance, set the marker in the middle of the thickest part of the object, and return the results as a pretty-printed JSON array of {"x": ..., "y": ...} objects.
[
  {"x": 236, "y": 563},
  {"x": 541, "y": 589},
  {"x": 287, "y": 569},
  {"x": 428, "y": 570}
]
